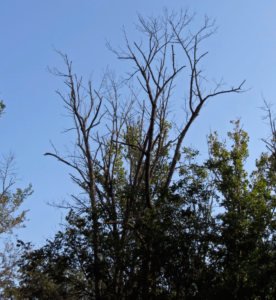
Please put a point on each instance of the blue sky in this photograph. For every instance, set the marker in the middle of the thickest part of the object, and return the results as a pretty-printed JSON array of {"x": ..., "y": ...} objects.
[{"x": 243, "y": 48}]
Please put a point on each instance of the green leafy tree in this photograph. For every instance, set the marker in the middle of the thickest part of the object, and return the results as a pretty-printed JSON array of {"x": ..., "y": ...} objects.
[
  {"x": 10, "y": 202},
  {"x": 244, "y": 252}
]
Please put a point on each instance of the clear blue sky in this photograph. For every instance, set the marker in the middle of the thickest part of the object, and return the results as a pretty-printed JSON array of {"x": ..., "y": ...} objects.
[{"x": 243, "y": 48}]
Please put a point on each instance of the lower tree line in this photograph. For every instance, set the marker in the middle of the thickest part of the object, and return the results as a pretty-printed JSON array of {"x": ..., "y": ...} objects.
[{"x": 210, "y": 236}]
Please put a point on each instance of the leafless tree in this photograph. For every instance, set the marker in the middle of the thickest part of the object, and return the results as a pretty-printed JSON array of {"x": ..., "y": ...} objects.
[{"x": 122, "y": 171}]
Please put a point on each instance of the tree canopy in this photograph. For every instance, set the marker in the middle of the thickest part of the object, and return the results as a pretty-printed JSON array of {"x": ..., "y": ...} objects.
[
  {"x": 151, "y": 221},
  {"x": 193, "y": 250}
]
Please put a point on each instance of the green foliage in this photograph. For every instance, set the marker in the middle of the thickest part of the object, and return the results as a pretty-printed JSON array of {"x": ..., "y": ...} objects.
[
  {"x": 10, "y": 203},
  {"x": 191, "y": 249},
  {"x": 247, "y": 223}
]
